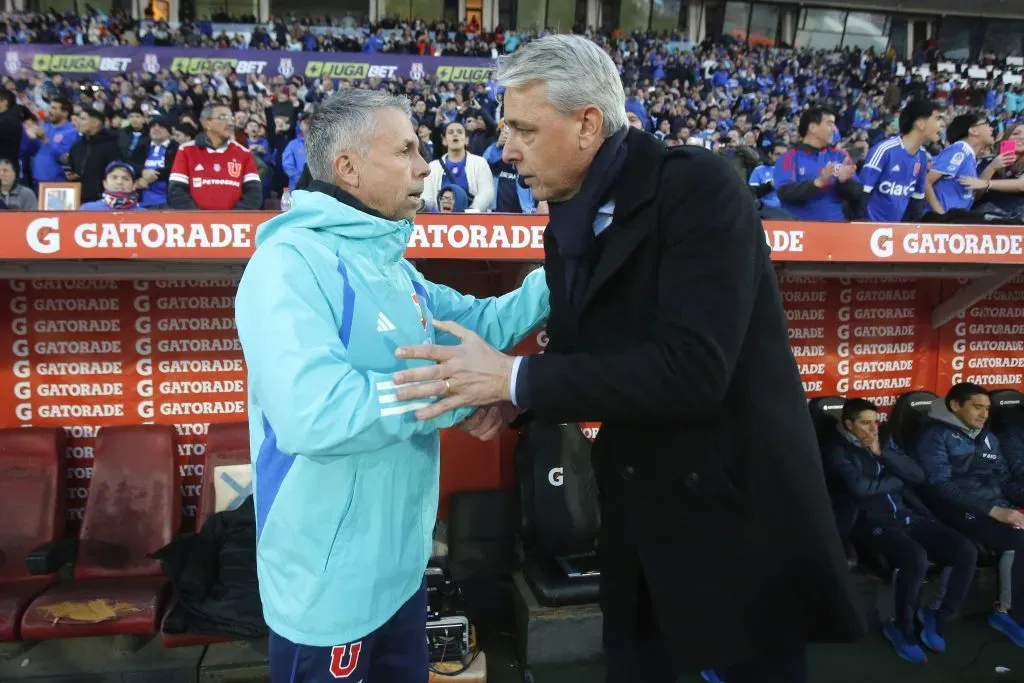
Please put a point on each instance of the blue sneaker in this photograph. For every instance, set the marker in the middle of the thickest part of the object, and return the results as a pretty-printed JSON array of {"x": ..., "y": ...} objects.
[
  {"x": 906, "y": 647},
  {"x": 710, "y": 676},
  {"x": 1002, "y": 622},
  {"x": 932, "y": 626}
]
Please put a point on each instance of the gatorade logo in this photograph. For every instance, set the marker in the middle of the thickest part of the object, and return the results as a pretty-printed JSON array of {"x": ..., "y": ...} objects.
[{"x": 555, "y": 476}]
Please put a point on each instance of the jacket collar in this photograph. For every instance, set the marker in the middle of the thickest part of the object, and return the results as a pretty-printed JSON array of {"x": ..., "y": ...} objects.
[
  {"x": 811, "y": 149},
  {"x": 638, "y": 180},
  {"x": 334, "y": 192}
]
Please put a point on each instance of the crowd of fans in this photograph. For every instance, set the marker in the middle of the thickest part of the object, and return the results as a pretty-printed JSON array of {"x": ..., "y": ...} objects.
[{"x": 778, "y": 114}]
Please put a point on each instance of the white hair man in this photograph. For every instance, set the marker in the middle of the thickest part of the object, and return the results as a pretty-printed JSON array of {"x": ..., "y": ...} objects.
[
  {"x": 345, "y": 477},
  {"x": 719, "y": 548}
]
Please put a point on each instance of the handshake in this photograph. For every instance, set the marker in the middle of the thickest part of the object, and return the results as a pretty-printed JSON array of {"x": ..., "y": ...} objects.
[{"x": 488, "y": 422}]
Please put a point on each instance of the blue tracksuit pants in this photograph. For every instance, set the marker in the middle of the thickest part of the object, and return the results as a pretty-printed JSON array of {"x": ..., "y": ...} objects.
[{"x": 394, "y": 653}]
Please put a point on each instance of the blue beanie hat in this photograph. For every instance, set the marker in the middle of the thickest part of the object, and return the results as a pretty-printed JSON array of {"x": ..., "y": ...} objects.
[{"x": 633, "y": 106}]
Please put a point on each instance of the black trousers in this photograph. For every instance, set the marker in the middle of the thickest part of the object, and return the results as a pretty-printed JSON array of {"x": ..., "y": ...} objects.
[
  {"x": 993, "y": 535},
  {"x": 908, "y": 548},
  {"x": 645, "y": 658}
]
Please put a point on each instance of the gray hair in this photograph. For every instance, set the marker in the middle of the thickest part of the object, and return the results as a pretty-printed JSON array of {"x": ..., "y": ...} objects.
[
  {"x": 207, "y": 112},
  {"x": 345, "y": 122},
  {"x": 576, "y": 73}
]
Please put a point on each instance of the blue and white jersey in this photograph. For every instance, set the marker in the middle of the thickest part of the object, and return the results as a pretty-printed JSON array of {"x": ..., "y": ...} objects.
[
  {"x": 892, "y": 176},
  {"x": 762, "y": 175},
  {"x": 955, "y": 162}
]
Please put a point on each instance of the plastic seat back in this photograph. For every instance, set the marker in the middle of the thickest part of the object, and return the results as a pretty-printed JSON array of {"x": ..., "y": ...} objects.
[
  {"x": 33, "y": 494},
  {"x": 1007, "y": 410},
  {"x": 906, "y": 416},
  {"x": 561, "y": 514},
  {"x": 227, "y": 444},
  {"x": 134, "y": 504},
  {"x": 826, "y": 413}
]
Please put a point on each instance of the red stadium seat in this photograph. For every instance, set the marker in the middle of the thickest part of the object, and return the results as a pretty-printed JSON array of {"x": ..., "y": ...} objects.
[
  {"x": 134, "y": 508},
  {"x": 33, "y": 491},
  {"x": 226, "y": 444}
]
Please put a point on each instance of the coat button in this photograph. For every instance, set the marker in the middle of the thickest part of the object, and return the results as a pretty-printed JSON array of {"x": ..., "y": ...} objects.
[
  {"x": 627, "y": 472},
  {"x": 692, "y": 479}
]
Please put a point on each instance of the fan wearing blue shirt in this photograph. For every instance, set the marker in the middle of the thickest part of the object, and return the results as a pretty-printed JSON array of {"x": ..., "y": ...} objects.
[
  {"x": 761, "y": 181},
  {"x": 814, "y": 180},
  {"x": 896, "y": 171},
  {"x": 968, "y": 135}
]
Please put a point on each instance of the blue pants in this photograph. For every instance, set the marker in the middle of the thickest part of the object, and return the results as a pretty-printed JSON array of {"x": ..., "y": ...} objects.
[{"x": 394, "y": 653}]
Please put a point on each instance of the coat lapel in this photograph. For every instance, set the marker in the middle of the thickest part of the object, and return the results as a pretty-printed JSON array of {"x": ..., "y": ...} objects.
[{"x": 637, "y": 186}]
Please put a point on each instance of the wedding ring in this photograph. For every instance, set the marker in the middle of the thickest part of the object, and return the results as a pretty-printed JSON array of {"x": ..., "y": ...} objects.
[{"x": 447, "y": 387}]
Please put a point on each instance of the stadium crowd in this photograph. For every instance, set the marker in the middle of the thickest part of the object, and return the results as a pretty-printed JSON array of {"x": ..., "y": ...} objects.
[
  {"x": 817, "y": 135},
  {"x": 813, "y": 132}
]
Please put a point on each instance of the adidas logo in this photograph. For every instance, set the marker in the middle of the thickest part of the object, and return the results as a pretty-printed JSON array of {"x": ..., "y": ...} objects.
[
  {"x": 383, "y": 324},
  {"x": 896, "y": 167},
  {"x": 199, "y": 167}
]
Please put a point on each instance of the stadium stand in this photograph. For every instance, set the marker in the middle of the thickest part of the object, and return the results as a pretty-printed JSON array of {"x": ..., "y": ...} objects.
[{"x": 740, "y": 100}]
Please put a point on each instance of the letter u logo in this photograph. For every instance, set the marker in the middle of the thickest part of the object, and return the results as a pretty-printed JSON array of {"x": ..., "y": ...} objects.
[{"x": 341, "y": 666}]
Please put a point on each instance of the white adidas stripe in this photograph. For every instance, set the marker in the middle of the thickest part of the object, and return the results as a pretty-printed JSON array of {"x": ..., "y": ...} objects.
[
  {"x": 387, "y": 397},
  {"x": 390, "y": 386},
  {"x": 398, "y": 410}
]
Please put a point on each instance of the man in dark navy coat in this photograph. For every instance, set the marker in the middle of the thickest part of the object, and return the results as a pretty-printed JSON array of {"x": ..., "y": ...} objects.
[{"x": 718, "y": 548}]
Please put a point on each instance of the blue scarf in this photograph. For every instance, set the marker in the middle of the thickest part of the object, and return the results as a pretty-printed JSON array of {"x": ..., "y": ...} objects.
[{"x": 572, "y": 221}]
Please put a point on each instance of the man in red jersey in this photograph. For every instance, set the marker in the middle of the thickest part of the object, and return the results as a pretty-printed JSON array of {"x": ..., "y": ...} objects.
[{"x": 214, "y": 172}]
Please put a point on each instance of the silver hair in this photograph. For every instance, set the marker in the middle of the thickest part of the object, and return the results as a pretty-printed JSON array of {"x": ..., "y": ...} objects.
[
  {"x": 345, "y": 122},
  {"x": 207, "y": 112},
  {"x": 576, "y": 73}
]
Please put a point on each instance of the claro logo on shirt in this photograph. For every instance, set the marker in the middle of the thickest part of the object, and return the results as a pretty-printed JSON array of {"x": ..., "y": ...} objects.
[{"x": 895, "y": 189}]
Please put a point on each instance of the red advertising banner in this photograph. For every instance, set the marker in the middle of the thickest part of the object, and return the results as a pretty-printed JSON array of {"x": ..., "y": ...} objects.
[
  {"x": 811, "y": 308},
  {"x": 985, "y": 344},
  {"x": 491, "y": 236},
  {"x": 85, "y": 354},
  {"x": 885, "y": 345}
]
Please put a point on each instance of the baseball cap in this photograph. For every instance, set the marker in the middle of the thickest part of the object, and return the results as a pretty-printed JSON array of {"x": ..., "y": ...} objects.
[{"x": 119, "y": 164}]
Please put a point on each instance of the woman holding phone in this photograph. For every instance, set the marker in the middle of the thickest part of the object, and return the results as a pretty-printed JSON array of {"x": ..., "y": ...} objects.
[{"x": 1004, "y": 193}]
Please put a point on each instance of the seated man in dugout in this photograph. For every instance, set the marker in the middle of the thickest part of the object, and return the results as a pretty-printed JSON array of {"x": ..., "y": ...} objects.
[
  {"x": 969, "y": 487},
  {"x": 876, "y": 477}
]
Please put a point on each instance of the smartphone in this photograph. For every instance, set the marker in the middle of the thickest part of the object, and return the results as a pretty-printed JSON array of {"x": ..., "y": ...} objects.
[{"x": 1008, "y": 148}]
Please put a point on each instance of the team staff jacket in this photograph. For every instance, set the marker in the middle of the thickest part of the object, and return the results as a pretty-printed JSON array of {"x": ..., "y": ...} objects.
[
  {"x": 877, "y": 487},
  {"x": 346, "y": 479},
  {"x": 795, "y": 173},
  {"x": 1012, "y": 442},
  {"x": 965, "y": 466},
  {"x": 218, "y": 179}
]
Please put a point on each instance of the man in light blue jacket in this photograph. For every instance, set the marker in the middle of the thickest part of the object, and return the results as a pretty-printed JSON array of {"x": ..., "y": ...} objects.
[{"x": 346, "y": 479}]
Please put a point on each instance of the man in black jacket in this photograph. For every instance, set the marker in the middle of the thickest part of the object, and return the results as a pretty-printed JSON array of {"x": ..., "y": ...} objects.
[
  {"x": 10, "y": 126},
  {"x": 92, "y": 153},
  {"x": 719, "y": 549},
  {"x": 894, "y": 523}
]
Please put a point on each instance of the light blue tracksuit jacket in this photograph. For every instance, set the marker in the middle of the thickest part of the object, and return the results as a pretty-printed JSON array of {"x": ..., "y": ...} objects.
[{"x": 346, "y": 479}]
